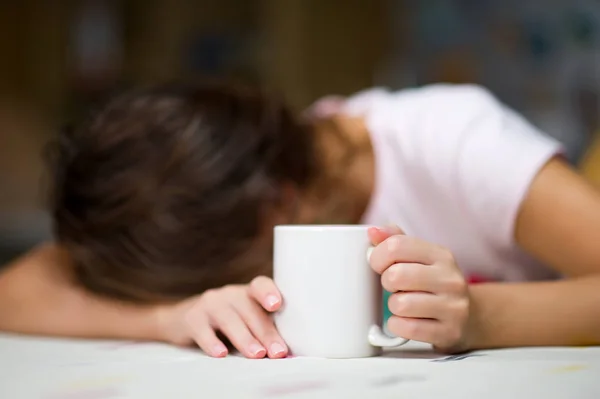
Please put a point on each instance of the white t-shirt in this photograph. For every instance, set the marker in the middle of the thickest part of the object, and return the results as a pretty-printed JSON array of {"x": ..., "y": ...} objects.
[{"x": 453, "y": 165}]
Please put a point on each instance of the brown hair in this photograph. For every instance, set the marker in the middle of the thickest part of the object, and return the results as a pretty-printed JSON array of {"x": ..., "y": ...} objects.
[{"x": 163, "y": 193}]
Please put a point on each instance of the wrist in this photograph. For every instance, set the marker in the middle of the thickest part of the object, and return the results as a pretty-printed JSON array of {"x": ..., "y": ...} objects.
[
  {"x": 161, "y": 325},
  {"x": 478, "y": 331},
  {"x": 137, "y": 323},
  {"x": 170, "y": 325}
]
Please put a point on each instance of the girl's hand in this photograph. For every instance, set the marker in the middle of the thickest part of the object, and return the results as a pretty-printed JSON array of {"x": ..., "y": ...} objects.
[
  {"x": 239, "y": 312},
  {"x": 430, "y": 298}
]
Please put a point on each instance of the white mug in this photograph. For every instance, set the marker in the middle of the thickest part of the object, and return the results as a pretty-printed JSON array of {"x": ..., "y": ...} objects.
[{"x": 332, "y": 299}]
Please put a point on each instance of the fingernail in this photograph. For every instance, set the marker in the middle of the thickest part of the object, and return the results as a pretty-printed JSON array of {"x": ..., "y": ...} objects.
[
  {"x": 271, "y": 301},
  {"x": 219, "y": 350},
  {"x": 277, "y": 349},
  {"x": 257, "y": 350}
]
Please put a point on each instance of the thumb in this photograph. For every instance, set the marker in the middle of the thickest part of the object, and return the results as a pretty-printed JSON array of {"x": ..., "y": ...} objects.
[{"x": 379, "y": 234}]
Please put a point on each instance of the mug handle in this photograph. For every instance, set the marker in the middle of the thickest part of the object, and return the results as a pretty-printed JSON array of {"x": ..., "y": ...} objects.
[{"x": 376, "y": 335}]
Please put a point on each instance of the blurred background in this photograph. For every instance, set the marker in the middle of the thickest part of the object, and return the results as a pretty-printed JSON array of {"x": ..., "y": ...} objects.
[{"x": 541, "y": 57}]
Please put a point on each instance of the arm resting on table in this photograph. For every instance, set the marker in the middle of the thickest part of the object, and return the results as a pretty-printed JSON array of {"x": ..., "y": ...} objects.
[
  {"x": 558, "y": 313},
  {"x": 38, "y": 296},
  {"x": 559, "y": 224}
]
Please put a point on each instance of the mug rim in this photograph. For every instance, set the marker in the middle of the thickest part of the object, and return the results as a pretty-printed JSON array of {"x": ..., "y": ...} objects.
[{"x": 321, "y": 227}]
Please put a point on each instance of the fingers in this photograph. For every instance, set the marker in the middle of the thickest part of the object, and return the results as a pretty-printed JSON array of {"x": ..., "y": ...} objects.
[
  {"x": 227, "y": 320},
  {"x": 378, "y": 235},
  {"x": 262, "y": 327},
  {"x": 404, "y": 249},
  {"x": 430, "y": 299},
  {"x": 425, "y": 317},
  {"x": 245, "y": 323},
  {"x": 264, "y": 291},
  {"x": 411, "y": 277},
  {"x": 233, "y": 312},
  {"x": 440, "y": 335},
  {"x": 417, "y": 305},
  {"x": 422, "y": 330},
  {"x": 206, "y": 338}
]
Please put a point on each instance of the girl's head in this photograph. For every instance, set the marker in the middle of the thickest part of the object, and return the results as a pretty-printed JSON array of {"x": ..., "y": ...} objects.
[{"x": 165, "y": 193}]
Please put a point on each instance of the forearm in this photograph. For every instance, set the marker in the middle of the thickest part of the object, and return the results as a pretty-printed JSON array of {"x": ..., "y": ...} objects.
[
  {"x": 38, "y": 297},
  {"x": 558, "y": 313}
]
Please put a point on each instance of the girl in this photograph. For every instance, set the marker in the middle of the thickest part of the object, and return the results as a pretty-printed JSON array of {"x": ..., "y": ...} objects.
[{"x": 164, "y": 203}]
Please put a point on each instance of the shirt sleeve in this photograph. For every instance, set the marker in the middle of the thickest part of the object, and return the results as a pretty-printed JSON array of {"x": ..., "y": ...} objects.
[{"x": 497, "y": 156}]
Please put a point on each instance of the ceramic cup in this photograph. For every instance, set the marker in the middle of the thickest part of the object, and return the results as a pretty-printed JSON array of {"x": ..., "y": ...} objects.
[{"x": 332, "y": 299}]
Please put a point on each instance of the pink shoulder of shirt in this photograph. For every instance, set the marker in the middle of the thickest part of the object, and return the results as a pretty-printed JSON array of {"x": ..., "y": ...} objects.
[{"x": 463, "y": 153}]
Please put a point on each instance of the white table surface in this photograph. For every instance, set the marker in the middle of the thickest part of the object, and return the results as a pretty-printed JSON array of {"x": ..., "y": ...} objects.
[{"x": 32, "y": 368}]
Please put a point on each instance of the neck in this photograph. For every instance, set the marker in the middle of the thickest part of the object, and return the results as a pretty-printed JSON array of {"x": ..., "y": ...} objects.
[{"x": 341, "y": 194}]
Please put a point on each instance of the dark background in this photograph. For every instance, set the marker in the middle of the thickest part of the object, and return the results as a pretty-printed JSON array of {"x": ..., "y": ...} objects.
[{"x": 541, "y": 57}]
